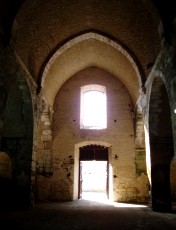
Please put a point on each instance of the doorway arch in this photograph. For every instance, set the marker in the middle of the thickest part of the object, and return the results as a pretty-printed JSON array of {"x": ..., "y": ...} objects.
[
  {"x": 93, "y": 169},
  {"x": 161, "y": 146},
  {"x": 102, "y": 153}
]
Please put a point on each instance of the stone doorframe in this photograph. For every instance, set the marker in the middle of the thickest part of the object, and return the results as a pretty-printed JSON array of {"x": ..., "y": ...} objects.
[{"x": 76, "y": 166}]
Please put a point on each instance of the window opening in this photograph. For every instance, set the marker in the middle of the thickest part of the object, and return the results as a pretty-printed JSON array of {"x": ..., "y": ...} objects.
[{"x": 93, "y": 107}]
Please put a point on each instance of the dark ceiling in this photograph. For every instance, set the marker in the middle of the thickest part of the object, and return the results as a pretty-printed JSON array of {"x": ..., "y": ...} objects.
[
  {"x": 36, "y": 28},
  {"x": 9, "y": 9}
]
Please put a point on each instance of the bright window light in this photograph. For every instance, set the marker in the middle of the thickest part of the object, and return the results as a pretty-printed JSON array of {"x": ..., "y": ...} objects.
[{"x": 93, "y": 107}]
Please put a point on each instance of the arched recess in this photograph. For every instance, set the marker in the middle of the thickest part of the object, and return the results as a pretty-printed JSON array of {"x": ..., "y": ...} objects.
[
  {"x": 90, "y": 49},
  {"x": 17, "y": 142},
  {"x": 161, "y": 146}
]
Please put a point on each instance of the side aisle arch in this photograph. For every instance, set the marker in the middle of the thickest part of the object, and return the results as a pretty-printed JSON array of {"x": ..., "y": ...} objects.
[{"x": 159, "y": 139}]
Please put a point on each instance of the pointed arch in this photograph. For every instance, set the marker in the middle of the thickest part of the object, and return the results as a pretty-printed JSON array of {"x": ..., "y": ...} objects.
[
  {"x": 76, "y": 164},
  {"x": 161, "y": 146},
  {"x": 90, "y": 49}
]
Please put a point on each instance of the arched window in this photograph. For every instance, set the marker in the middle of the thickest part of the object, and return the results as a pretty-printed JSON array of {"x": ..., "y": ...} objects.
[{"x": 93, "y": 112}]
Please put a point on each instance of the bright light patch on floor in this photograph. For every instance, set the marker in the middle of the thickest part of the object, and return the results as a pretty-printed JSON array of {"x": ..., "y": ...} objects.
[
  {"x": 93, "y": 107},
  {"x": 102, "y": 198},
  {"x": 94, "y": 182}
]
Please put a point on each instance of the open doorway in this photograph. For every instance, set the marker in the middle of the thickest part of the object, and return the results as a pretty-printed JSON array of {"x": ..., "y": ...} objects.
[
  {"x": 93, "y": 172},
  {"x": 94, "y": 179}
]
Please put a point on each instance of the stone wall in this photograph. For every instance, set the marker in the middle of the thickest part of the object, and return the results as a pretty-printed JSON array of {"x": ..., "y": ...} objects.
[
  {"x": 66, "y": 134},
  {"x": 16, "y": 129}
]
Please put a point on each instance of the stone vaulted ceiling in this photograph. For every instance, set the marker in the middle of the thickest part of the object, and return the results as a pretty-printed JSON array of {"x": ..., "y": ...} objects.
[{"x": 37, "y": 28}]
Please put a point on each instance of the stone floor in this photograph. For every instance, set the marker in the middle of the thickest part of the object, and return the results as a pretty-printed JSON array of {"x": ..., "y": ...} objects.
[{"x": 90, "y": 212}]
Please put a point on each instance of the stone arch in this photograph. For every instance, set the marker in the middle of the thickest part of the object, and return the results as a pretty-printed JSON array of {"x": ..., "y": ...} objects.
[
  {"x": 91, "y": 35},
  {"x": 84, "y": 143},
  {"x": 103, "y": 52},
  {"x": 161, "y": 145}
]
